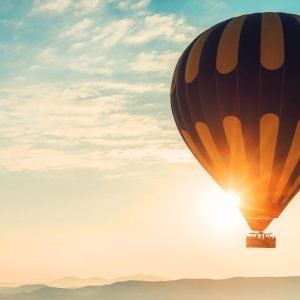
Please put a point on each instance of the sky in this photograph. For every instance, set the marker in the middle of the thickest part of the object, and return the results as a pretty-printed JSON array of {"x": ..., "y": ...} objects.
[{"x": 95, "y": 179}]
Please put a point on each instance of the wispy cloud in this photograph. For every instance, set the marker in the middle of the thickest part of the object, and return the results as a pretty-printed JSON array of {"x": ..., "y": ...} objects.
[
  {"x": 86, "y": 6},
  {"x": 168, "y": 27},
  {"x": 78, "y": 126},
  {"x": 142, "y": 3},
  {"x": 60, "y": 6},
  {"x": 155, "y": 61},
  {"x": 133, "y": 4},
  {"x": 92, "y": 95},
  {"x": 48, "y": 55},
  {"x": 50, "y": 6},
  {"x": 12, "y": 23},
  {"x": 138, "y": 88},
  {"x": 109, "y": 35},
  {"x": 77, "y": 29},
  {"x": 77, "y": 45}
]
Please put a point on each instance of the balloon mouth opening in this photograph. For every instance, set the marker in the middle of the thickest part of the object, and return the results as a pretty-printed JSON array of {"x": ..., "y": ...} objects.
[{"x": 259, "y": 224}]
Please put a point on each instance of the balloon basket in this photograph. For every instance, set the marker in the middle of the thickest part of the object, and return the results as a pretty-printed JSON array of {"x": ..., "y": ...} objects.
[{"x": 260, "y": 240}]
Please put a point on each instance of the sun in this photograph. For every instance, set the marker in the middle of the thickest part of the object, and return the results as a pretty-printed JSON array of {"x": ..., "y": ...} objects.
[{"x": 220, "y": 210}]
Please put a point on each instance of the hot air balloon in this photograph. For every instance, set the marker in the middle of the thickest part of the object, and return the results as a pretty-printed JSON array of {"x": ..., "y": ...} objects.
[{"x": 235, "y": 98}]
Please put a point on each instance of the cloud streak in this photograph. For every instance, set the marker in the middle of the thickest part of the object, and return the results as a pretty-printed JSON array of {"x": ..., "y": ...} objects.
[
  {"x": 157, "y": 26},
  {"x": 61, "y": 6},
  {"x": 155, "y": 61},
  {"x": 94, "y": 92},
  {"x": 133, "y": 5},
  {"x": 50, "y": 6},
  {"x": 77, "y": 29},
  {"x": 46, "y": 127}
]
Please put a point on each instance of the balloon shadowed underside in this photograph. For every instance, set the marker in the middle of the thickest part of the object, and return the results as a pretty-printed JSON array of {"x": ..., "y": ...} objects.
[{"x": 235, "y": 97}]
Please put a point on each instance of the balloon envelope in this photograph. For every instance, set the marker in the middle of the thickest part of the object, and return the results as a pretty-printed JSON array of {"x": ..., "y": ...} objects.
[{"x": 235, "y": 97}]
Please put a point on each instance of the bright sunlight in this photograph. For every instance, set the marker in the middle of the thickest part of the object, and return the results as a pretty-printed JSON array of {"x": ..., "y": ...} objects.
[{"x": 220, "y": 210}]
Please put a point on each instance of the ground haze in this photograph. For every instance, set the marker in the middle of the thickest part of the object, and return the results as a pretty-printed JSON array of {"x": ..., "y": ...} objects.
[{"x": 284, "y": 288}]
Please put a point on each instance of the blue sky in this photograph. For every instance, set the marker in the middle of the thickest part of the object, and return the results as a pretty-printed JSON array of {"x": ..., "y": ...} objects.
[
  {"x": 90, "y": 154},
  {"x": 79, "y": 75}
]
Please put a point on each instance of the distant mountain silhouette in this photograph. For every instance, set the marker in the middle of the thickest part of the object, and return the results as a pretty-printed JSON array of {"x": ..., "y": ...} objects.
[
  {"x": 13, "y": 284},
  {"x": 265, "y": 288},
  {"x": 76, "y": 282},
  {"x": 20, "y": 289}
]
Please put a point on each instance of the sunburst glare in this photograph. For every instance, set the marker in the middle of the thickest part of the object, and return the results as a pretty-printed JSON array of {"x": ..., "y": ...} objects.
[{"x": 220, "y": 210}]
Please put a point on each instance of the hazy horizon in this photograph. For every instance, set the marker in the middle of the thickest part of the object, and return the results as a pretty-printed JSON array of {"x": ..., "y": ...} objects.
[
  {"x": 67, "y": 282},
  {"x": 234, "y": 288},
  {"x": 95, "y": 178}
]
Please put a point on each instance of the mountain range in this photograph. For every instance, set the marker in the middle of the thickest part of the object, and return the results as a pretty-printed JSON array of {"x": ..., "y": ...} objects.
[
  {"x": 264, "y": 288},
  {"x": 76, "y": 282}
]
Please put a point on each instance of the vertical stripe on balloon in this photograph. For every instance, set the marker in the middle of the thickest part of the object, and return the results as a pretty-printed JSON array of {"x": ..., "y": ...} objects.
[
  {"x": 294, "y": 188},
  {"x": 272, "y": 42},
  {"x": 192, "y": 65},
  {"x": 194, "y": 149},
  {"x": 228, "y": 49},
  {"x": 269, "y": 125},
  {"x": 290, "y": 163},
  {"x": 238, "y": 171},
  {"x": 210, "y": 146}
]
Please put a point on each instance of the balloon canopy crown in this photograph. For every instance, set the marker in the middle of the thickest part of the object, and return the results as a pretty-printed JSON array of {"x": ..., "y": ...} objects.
[{"x": 260, "y": 240}]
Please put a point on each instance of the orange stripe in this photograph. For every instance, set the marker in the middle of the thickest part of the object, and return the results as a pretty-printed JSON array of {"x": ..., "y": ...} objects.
[
  {"x": 188, "y": 139},
  {"x": 269, "y": 125},
  {"x": 290, "y": 164},
  {"x": 272, "y": 42},
  {"x": 194, "y": 149},
  {"x": 228, "y": 49},
  {"x": 239, "y": 166},
  {"x": 192, "y": 65},
  {"x": 211, "y": 148},
  {"x": 291, "y": 190}
]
